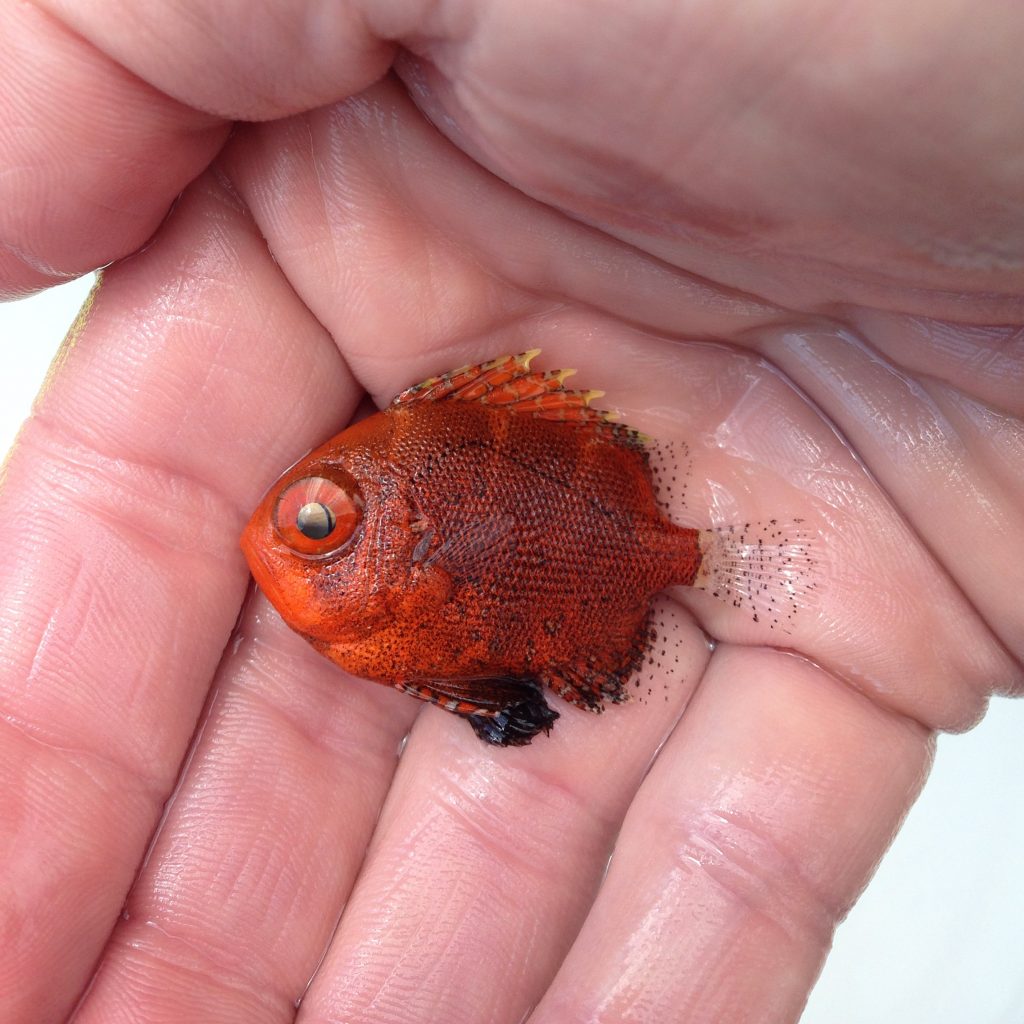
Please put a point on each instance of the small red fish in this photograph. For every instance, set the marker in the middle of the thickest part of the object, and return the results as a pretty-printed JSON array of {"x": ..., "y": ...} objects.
[{"x": 487, "y": 535}]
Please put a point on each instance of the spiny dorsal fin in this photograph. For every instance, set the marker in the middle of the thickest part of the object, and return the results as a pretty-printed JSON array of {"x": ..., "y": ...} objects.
[{"x": 508, "y": 382}]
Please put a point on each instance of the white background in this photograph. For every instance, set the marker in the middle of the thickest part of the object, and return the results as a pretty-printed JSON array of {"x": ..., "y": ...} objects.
[{"x": 938, "y": 938}]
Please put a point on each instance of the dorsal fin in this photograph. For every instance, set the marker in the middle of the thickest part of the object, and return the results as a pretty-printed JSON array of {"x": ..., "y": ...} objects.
[{"x": 508, "y": 382}]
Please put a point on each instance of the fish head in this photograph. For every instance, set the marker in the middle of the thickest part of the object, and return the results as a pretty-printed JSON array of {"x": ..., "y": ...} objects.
[{"x": 303, "y": 542}]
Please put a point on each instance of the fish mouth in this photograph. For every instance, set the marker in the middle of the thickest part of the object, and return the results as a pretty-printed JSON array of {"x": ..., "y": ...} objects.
[
  {"x": 249, "y": 548},
  {"x": 260, "y": 568},
  {"x": 269, "y": 568}
]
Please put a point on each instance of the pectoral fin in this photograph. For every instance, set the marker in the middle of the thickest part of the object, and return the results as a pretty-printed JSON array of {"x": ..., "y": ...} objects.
[{"x": 471, "y": 549}]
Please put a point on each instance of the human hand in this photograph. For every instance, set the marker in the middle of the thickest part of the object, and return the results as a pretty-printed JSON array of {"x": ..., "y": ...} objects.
[{"x": 783, "y": 241}]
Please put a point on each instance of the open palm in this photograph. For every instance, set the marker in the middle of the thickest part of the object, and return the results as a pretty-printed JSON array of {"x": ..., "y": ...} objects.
[{"x": 760, "y": 235}]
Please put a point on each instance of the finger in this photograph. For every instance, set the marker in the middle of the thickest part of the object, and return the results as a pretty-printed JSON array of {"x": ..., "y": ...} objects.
[
  {"x": 866, "y": 620},
  {"x": 94, "y": 146},
  {"x": 567, "y": 131},
  {"x": 419, "y": 864},
  {"x": 119, "y": 520},
  {"x": 260, "y": 845},
  {"x": 203, "y": 60},
  {"x": 985, "y": 360},
  {"x": 92, "y": 155},
  {"x": 486, "y": 860},
  {"x": 759, "y": 824},
  {"x": 673, "y": 160},
  {"x": 482, "y": 265},
  {"x": 965, "y": 453},
  {"x": 467, "y": 296},
  {"x": 151, "y": 962},
  {"x": 247, "y": 62}
]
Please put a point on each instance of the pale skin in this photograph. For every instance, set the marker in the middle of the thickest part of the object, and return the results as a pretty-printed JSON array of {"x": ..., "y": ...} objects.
[{"x": 788, "y": 235}]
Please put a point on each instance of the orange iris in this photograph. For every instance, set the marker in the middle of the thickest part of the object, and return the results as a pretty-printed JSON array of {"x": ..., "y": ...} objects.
[{"x": 316, "y": 516}]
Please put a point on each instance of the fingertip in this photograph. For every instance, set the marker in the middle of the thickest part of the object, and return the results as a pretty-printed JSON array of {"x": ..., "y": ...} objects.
[{"x": 92, "y": 155}]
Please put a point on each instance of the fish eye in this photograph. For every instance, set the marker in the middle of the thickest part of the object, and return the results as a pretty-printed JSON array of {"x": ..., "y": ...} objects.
[{"x": 317, "y": 516}]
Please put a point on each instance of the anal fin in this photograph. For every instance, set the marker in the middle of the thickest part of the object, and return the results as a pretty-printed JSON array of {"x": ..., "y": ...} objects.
[{"x": 588, "y": 686}]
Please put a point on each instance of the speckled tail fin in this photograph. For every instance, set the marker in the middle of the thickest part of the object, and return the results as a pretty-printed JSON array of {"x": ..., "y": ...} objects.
[
  {"x": 508, "y": 382},
  {"x": 767, "y": 568}
]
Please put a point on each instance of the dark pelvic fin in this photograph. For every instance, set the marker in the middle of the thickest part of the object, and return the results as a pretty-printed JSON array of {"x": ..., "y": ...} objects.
[
  {"x": 509, "y": 383},
  {"x": 515, "y": 726},
  {"x": 504, "y": 711}
]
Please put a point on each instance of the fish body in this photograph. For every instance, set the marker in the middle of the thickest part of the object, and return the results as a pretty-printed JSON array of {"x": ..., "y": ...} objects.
[{"x": 485, "y": 536}]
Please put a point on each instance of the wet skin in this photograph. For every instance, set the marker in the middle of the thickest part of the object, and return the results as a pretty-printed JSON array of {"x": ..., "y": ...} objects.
[{"x": 763, "y": 236}]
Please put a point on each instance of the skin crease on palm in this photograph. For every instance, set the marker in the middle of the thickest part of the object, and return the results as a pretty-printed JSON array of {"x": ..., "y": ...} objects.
[{"x": 789, "y": 235}]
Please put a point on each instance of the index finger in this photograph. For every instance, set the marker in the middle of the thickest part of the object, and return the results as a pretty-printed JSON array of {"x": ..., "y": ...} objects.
[{"x": 174, "y": 399}]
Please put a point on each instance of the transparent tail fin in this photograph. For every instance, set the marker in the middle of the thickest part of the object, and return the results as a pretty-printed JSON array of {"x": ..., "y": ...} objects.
[{"x": 767, "y": 568}]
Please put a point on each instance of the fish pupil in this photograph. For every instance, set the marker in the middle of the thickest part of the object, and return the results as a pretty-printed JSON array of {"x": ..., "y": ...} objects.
[{"x": 315, "y": 520}]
